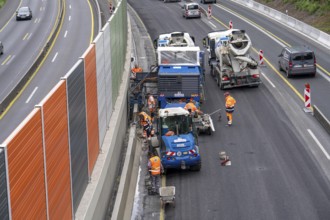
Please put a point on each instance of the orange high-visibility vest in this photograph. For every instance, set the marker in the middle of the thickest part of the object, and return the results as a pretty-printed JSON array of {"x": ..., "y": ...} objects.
[
  {"x": 190, "y": 106},
  {"x": 146, "y": 118},
  {"x": 155, "y": 165},
  {"x": 230, "y": 102}
]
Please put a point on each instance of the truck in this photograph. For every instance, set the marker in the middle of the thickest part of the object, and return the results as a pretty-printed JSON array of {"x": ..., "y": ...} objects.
[
  {"x": 229, "y": 59},
  {"x": 181, "y": 150},
  {"x": 180, "y": 75},
  {"x": 174, "y": 39}
]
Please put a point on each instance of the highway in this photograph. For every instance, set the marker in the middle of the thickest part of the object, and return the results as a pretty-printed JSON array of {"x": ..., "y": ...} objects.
[
  {"x": 24, "y": 40},
  {"x": 280, "y": 154}
]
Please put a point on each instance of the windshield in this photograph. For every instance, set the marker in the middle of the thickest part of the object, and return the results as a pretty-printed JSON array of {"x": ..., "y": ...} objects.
[
  {"x": 302, "y": 56},
  {"x": 192, "y": 7},
  {"x": 177, "y": 123},
  {"x": 23, "y": 10},
  {"x": 179, "y": 57}
]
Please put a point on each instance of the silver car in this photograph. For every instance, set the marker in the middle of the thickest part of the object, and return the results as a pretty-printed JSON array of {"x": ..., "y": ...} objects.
[
  {"x": 24, "y": 13},
  {"x": 297, "y": 60},
  {"x": 1, "y": 48},
  {"x": 191, "y": 10}
]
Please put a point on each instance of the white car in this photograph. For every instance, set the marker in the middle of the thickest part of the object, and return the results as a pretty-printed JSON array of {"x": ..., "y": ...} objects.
[{"x": 191, "y": 10}]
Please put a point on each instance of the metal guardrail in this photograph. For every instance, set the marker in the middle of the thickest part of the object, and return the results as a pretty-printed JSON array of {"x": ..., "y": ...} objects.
[
  {"x": 30, "y": 73},
  {"x": 321, "y": 118}
]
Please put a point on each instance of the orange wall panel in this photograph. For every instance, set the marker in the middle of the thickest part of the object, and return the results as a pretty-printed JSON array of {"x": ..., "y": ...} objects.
[
  {"x": 91, "y": 103},
  {"x": 57, "y": 154},
  {"x": 26, "y": 169}
]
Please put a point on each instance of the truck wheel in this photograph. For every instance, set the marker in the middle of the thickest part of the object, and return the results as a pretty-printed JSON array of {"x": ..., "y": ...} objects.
[
  {"x": 198, "y": 131},
  {"x": 209, "y": 131},
  {"x": 279, "y": 67},
  {"x": 222, "y": 86}
]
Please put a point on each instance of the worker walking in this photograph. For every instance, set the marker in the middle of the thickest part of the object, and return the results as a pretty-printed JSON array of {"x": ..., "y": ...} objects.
[
  {"x": 151, "y": 104},
  {"x": 146, "y": 122},
  {"x": 230, "y": 104},
  {"x": 155, "y": 168}
]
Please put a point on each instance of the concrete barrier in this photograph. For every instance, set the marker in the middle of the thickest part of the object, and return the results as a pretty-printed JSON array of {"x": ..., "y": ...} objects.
[{"x": 321, "y": 118}]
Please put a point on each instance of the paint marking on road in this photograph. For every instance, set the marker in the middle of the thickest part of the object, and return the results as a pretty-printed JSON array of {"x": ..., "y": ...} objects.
[
  {"x": 6, "y": 60},
  {"x": 66, "y": 32},
  {"x": 319, "y": 144},
  {"x": 54, "y": 57},
  {"x": 212, "y": 24},
  {"x": 34, "y": 91},
  {"x": 70, "y": 6},
  {"x": 25, "y": 36},
  {"x": 70, "y": 18},
  {"x": 270, "y": 82}
]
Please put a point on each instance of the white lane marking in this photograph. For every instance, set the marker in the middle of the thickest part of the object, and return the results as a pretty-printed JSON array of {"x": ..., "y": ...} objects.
[
  {"x": 319, "y": 144},
  {"x": 70, "y": 18},
  {"x": 270, "y": 82},
  {"x": 212, "y": 24},
  {"x": 34, "y": 91},
  {"x": 54, "y": 57},
  {"x": 66, "y": 32},
  {"x": 70, "y": 6}
]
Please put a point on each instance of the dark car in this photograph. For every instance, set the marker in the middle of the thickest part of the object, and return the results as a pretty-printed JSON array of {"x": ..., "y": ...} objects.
[
  {"x": 23, "y": 13},
  {"x": 297, "y": 60},
  {"x": 1, "y": 48}
]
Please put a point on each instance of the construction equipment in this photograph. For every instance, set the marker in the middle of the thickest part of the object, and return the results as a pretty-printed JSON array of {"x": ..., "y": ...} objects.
[
  {"x": 230, "y": 60},
  {"x": 167, "y": 195}
]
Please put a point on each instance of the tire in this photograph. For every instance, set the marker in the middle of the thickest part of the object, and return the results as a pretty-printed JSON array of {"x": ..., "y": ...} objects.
[
  {"x": 209, "y": 131},
  {"x": 196, "y": 167},
  {"x": 279, "y": 66},
  {"x": 215, "y": 1},
  {"x": 288, "y": 74},
  {"x": 313, "y": 74}
]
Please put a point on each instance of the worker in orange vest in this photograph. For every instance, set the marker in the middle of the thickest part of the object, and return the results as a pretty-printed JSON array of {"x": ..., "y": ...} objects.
[
  {"x": 191, "y": 107},
  {"x": 155, "y": 168},
  {"x": 230, "y": 104},
  {"x": 135, "y": 70},
  {"x": 151, "y": 105},
  {"x": 146, "y": 123}
]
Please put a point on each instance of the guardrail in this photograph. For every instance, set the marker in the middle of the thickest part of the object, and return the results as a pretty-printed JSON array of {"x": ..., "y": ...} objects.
[{"x": 36, "y": 64}]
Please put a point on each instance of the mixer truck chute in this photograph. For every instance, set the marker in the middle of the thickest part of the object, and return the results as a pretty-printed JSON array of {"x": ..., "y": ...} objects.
[{"x": 229, "y": 58}]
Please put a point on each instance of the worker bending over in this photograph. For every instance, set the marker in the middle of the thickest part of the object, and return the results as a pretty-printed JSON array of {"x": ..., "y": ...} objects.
[
  {"x": 155, "y": 168},
  {"x": 191, "y": 107},
  {"x": 146, "y": 123},
  {"x": 135, "y": 70},
  {"x": 230, "y": 104}
]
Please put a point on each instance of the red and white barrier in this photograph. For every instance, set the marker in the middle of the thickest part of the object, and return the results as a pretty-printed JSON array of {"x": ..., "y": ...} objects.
[
  {"x": 230, "y": 24},
  {"x": 307, "y": 95},
  {"x": 209, "y": 12},
  {"x": 261, "y": 57}
]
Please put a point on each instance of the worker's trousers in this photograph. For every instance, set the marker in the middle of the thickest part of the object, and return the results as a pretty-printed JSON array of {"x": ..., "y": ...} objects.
[
  {"x": 229, "y": 113},
  {"x": 155, "y": 182}
]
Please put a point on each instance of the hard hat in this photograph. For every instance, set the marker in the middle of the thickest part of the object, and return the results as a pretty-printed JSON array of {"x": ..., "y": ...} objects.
[{"x": 226, "y": 94}]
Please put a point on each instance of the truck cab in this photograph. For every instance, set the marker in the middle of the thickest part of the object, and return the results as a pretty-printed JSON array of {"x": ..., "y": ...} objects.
[{"x": 178, "y": 151}]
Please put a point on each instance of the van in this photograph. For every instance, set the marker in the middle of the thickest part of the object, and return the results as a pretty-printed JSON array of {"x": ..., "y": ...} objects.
[
  {"x": 1, "y": 48},
  {"x": 191, "y": 10},
  {"x": 297, "y": 60}
]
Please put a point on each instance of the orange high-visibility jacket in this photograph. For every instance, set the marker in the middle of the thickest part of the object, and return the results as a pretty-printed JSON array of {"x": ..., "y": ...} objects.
[
  {"x": 137, "y": 69},
  {"x": 190, "y": 106},
  {"x": 146, "y": 118},
  {"x": 230, "y": 102},
  {"x": 155, "y": 165}
]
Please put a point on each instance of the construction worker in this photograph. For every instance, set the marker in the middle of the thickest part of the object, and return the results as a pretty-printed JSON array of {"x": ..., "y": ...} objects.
[
  {"x": 191, "y": 107},
  {"x": 155, "y": 168},
  {"x": 151, "y": 104},
  {"x": 146, "y": 122},
  {"x": 135, "y": 70},
  {"x": 230, "y": 104}
]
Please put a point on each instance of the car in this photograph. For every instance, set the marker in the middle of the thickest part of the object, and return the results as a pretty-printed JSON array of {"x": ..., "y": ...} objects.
[
  {"x": 171, "y": 1},
  {"x": 24, "y": 13},
  {"x": 1, "y": 48},
  {"x": 191, "y": 10},
  {"x": 297, "y": 60}
]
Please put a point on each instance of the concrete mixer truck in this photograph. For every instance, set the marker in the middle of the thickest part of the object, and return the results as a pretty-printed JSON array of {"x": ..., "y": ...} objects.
[{"x": 229, "y": 58}]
